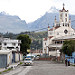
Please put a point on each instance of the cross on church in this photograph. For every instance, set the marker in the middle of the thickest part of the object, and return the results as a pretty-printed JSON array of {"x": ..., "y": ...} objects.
[{"x": 63, "y": 4}]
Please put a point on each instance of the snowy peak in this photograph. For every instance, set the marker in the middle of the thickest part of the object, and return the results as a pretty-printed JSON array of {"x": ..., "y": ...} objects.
[{"x": 53, "y": 10}]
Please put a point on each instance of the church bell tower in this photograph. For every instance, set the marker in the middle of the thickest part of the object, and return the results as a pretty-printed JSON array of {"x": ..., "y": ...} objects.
[{"x": 64, "y": 17}]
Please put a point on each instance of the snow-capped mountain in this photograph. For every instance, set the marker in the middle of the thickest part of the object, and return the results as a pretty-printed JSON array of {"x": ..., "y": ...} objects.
[
  {"x": 14, "y": 24},
  {"x": 53, "y": 10}
]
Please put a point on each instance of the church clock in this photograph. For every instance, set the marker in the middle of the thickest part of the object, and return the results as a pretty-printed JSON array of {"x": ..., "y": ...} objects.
[{"x": 65, "y": 31}]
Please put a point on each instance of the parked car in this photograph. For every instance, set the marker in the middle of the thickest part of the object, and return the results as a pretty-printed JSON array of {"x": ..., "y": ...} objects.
[
  {"x": 28, "y": 61},
  {"x": 37, "y": 57}
]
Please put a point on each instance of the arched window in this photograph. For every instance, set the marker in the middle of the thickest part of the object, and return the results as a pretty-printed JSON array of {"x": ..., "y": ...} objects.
[{"x": 66, "y": 14}]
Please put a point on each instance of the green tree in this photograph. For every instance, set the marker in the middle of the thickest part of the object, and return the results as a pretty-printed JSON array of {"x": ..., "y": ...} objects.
[
  {"x": 68, "y": 47},
  {"x": 25, "y": 43}
]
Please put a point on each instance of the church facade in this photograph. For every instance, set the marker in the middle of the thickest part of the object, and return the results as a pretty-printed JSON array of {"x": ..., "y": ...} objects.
[{"x": 60, "y": 32}]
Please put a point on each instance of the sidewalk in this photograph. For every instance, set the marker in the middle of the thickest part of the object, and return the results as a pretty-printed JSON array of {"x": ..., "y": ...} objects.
[
  {"x": 2, "y": 69},
  {"x": 13, "y": 65}
]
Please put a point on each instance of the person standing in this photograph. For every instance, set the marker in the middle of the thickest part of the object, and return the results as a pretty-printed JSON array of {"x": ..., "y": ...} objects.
[{"x": 66, "y": 62}]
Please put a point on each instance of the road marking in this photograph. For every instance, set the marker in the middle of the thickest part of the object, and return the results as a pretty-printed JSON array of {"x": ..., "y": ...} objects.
[
  {"x": 19, "y": 71},
  {"x": 25, "y": 71}
]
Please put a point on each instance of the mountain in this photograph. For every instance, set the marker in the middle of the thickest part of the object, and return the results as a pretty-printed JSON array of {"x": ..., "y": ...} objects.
[
  {"x": 12, "y": 24},
  {"x": 43, "y": 22},
  {"x": 53, "y": 10},
  {"x": 48, "y": 19}
]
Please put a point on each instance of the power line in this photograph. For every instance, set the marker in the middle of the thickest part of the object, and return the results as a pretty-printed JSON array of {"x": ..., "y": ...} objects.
[
  {"x": 39, "y": 29},
  {"x": 46, "y": 27}
]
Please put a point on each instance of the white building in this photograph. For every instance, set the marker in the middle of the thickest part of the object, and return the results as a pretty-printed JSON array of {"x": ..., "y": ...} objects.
[
  {"x": 11, "y": 44},
  {"x": 5, "y": 58},
  {"x": 60, "y": 32}
]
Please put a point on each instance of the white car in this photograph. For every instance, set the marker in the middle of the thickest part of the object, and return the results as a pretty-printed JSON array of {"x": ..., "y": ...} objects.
[{"x": 28, "y": 61}]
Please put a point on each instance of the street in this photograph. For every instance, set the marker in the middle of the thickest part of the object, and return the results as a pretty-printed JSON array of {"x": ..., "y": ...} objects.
[{"x": 43, "y": 68}]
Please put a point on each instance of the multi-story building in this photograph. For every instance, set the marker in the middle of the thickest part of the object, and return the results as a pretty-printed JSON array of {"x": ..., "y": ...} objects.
[
  {"x": 11, "y": 44},
  {"x": 60, "y": 32},
  {"x": 10, "y": 48}
]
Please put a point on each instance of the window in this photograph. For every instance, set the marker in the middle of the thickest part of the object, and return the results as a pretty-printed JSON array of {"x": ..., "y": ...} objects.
[
  {"x": 66, "y": 15},
  {"x": 57, "y": 33},
  {"x": 68, "y": 25},
  {"x": 45, "y": 43},
  {"x": 63, "y": 24},
  {"x": 55, "y": 42},
  {"x": 13, "y": 44},
  {"x": 58, "y": 42},
  {"x": 66, "y": 19},
  {"x": 5, "y": 44},
  {"x": 16, "y": 47},
  {"x": 0, "y": 43},
  {"x": 60, "y": 15},
  {"x": 19, "y": 44}
]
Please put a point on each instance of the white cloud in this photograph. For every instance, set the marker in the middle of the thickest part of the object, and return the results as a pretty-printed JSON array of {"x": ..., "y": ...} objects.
[{"x": 30, "y": 10}]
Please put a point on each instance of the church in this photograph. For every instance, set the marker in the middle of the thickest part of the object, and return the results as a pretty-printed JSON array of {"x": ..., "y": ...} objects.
[{"x": 60, "y": 32}]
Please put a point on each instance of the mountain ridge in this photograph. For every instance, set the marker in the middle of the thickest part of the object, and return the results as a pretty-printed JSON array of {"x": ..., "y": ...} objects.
[{"x": 14, "y": 24}]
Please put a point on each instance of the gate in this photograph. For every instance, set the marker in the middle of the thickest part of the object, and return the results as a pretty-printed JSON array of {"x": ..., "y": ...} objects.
[{"x": 3, "y": 61}]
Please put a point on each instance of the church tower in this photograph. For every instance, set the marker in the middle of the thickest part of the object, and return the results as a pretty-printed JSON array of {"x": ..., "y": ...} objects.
[{"x": 64, "y": 17}]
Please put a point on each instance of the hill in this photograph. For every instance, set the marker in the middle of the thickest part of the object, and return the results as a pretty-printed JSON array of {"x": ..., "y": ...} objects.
[{"x": 35, "y": 37}]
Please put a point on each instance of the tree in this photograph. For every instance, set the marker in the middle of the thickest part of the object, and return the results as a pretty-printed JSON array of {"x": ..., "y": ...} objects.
[
  {"x": 25, "y": 43},
  {"x": 68, "y": 47}
]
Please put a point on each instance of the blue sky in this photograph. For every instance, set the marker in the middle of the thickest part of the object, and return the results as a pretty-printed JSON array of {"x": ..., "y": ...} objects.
[{"x": 30, "y": 10}]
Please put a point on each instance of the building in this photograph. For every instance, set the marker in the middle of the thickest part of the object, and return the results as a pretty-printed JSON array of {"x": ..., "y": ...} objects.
[
  {"x": 36, "y": 52},
  {"x": 60, "y": 32},
  {"x": 9, "y": 51},
  {"x": 5, "y": 58},
  {"x": 11, "y": 44}
]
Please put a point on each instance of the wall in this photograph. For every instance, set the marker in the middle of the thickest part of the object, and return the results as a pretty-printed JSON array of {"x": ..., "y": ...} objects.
[
  {"x": 53, "y": 53},
  {"x": 21, "y": 57},
  {"x": 9, "y": 58},
  {"x": 16, "y": 57}
]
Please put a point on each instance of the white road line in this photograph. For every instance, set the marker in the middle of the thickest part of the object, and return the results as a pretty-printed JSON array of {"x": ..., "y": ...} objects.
[{"x": 27, "y": 69}]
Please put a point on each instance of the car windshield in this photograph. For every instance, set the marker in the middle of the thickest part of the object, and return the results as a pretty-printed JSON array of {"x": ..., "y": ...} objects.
[{"x": 27, "y": 59}]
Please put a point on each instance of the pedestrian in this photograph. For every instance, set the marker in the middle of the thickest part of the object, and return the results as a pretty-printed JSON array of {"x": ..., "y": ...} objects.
[
  {"x": 74, "y": 59},
  {"x": 66, "y": 62}
]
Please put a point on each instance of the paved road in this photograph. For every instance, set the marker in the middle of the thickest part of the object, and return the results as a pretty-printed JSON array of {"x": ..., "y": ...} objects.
[{"x": 43, "y": 68}]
